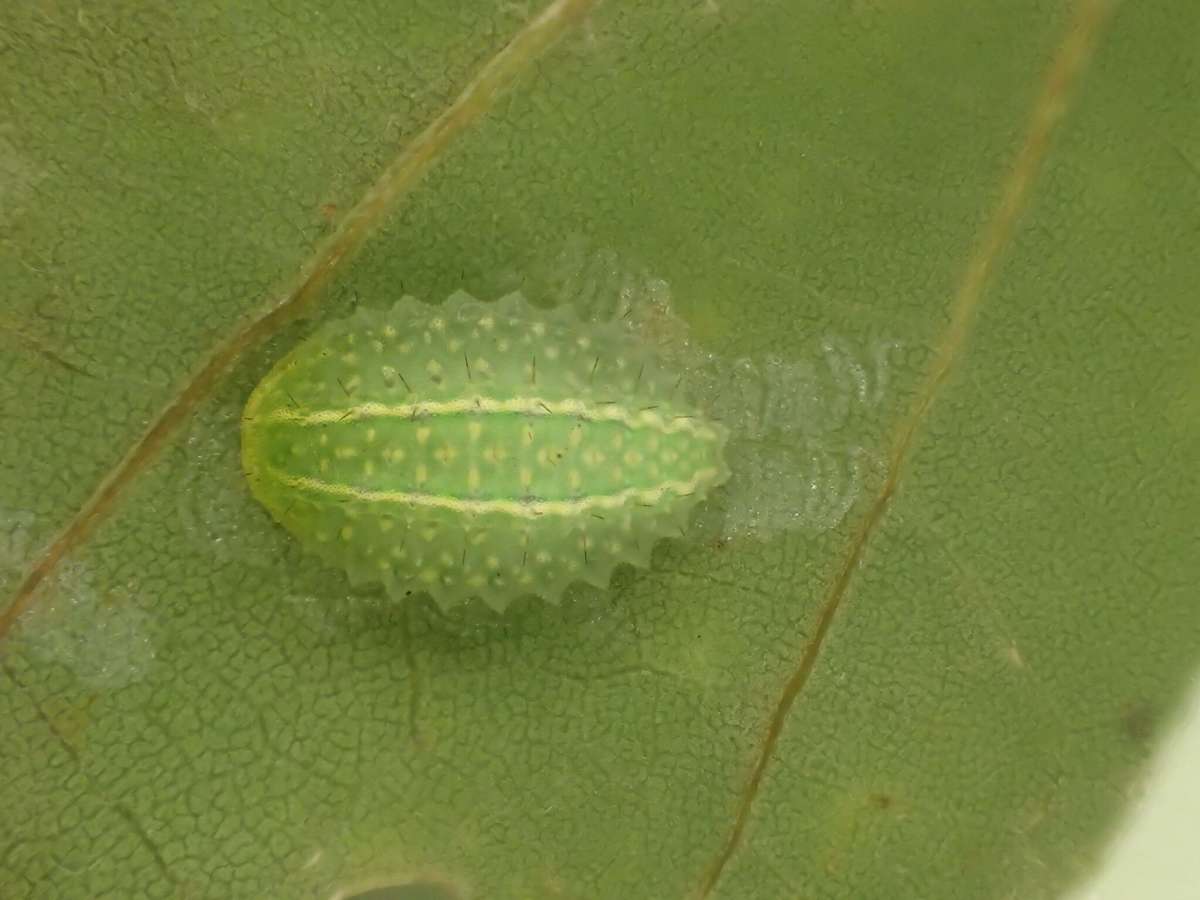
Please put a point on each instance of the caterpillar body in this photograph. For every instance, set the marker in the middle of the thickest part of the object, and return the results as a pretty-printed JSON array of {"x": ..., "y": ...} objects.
[{"x": 477, "y": 450}]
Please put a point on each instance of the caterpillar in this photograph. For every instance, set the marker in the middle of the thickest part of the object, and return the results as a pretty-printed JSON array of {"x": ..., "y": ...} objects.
[{"x": 489, "y": 450}]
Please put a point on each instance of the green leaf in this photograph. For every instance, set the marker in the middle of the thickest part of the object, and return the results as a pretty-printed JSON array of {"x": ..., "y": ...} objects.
[{"x": 933, "y": 262}]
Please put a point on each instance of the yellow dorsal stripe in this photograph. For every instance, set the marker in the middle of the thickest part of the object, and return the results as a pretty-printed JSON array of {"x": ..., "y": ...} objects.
[
  {"x": 530, "y": 509},
  {"x": 534, "y": 406}
]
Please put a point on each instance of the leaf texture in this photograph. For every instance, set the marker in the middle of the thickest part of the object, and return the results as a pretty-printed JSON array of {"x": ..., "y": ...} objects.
[{"x": 933, "y": 265}]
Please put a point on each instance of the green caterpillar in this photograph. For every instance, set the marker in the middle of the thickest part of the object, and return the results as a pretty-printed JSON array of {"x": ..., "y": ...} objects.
[{"x": 477, "y": 450}]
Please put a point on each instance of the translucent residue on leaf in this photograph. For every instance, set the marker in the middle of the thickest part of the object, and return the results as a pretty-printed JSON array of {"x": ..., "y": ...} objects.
[
  {"x": 734, "y": 392},
  {"x": 99, "y": 633},
  {"x": 801, "y": 485},
  {"x": 590, "y": 279},
  {"x": 212, "y": 499},
  {"x": 16, "y": 543},
  {"x": 797, "y": 459}
]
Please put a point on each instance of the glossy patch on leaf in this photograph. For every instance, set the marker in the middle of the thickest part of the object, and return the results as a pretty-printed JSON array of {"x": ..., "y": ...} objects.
[{"x": 477, "y": 450}]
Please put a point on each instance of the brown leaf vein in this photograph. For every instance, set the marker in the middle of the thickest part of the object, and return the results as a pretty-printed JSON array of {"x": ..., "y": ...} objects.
[
  {"x": 1048, "y": 111},
  {"x": 525, "y": 48}
]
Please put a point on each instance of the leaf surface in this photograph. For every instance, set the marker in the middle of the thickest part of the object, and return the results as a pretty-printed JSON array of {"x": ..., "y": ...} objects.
[{"x": 934, "y": 264}]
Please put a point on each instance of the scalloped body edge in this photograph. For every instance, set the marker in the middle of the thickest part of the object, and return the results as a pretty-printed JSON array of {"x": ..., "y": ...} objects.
[{"x": 489, "y": 450}]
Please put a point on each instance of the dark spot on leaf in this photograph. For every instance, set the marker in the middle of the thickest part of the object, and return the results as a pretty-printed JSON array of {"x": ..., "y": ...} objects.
[{"x": 1138, "y": 721}]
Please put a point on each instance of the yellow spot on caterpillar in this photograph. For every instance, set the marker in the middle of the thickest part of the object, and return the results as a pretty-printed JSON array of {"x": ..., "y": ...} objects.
[
  {"x": 632, "y": 457},
  {"x": 487, "y": 323},
  {"x": 495, "y": 454},
  {"x": 669, "y": 456},
  {"x": 476, "y": 581},
  {"x": 475, "y": 429},
  {"x": 527, "y": 437},
  {"x": 345, "y": 452},
  {"x": 423, "y": 434},
  {"x": 574, "y": 479},
  {"x": 618, "y": 441},
  {"x": 346, "y": 533},
  {"x": 386, "y": 525},
  {"x": 473, "y": 478},
  {"x": 370, "y": 435},
  {"x": 584, "y": 342},
  {"x": 323, "y": 465},
  {"x": 550, "y": 351},
  {"x": 538, "y": 329},
  {"x": 434, "y": 368},
  {"x": 437, "y": 324},
  {"x": 350, "y": 358},
  {"x": 542, "y": 557},
  {"x": 526, "y": 478},
  {"x": 593, "y": 457},
  {"x": 429, "y": 576},
  {"x": 394, "y": 454},
  {"x": 389, "y": 331},
  {"x": 493, "y": 562},
  {"x": 445, "y": 454},
  {"x": 422, "y": 474},
  {"x": 368, "y": 468},
  {"x": 384, "y": 565},
  {"x": 576, "y": 437},
  {"x": 447, "y": 559},
  {"x": 323, "y": 440},
  {"x": 482, "y": 366}
]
